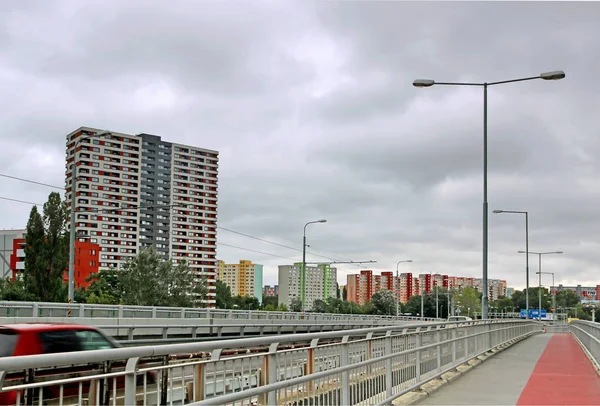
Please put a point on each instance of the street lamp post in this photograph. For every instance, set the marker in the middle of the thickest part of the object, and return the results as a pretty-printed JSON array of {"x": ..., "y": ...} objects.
[
  {"x": 303, "y": 273},
  {"x": 71, "y": 282},
  {"x": 539, "y": 254},
  {"x": 526, "y": 256},
  {"x": 557, "y": 75},
  {"x": 398, "y": 285},
  {"x": 553, "y": 295}
]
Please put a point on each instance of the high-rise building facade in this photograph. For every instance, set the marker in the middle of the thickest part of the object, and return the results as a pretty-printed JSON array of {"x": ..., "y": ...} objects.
[
  {"x": 244, "y": 278},
  {"x": 321, "y": 283},
  {"x": 138, "y": 190}
]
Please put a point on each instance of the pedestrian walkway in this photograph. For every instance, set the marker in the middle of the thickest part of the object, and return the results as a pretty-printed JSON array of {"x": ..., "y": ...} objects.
[{"x": 546, "y": 369}]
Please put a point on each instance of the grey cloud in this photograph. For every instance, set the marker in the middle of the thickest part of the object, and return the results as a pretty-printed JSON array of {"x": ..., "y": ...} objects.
[{"x": 313, "y": 111}]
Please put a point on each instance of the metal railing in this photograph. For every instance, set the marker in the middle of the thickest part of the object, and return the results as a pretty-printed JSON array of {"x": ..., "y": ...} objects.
[
  {"x": 364, "y": 366},
  {"x": 588, "y": 333},
  {"x": 42, "y": 309}
]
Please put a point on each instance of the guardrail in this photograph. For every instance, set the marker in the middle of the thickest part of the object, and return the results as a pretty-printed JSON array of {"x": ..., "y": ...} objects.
[
  {"x": 588, "y": 333},
  {"x": 363, "y": 366},
  {"x": 47, "y": 309}
]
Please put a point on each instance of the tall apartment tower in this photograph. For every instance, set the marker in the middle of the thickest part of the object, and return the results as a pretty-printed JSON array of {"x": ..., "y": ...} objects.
[
  {"x": 321, "y": 283},
  {"x": 138, "y": 190}
]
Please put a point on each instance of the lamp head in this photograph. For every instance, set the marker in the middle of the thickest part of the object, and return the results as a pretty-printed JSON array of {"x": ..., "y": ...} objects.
[
  {"x": 322, "y": 221},
  {"x": 555, "y": 75},
  {"x": 423, "y": 83},
  {"x": 498, "y": 211}
]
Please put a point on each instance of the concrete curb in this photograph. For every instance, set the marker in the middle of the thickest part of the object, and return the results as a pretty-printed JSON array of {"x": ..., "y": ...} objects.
[{"x": 427, "y": 389}]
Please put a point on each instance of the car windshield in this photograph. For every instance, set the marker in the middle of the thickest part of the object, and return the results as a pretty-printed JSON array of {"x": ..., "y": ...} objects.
[
  {"x": 93, "y": 340},
  {"x": 74, "y": 340},
  {"x": 8, "y": 341}
]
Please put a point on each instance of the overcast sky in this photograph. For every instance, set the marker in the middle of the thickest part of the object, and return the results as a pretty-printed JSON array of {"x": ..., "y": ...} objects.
[{"x": 312, "y": 108}]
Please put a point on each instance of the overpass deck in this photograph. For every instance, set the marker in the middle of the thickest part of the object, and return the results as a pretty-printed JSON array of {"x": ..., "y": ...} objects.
[{"x": 545, "y": 369}]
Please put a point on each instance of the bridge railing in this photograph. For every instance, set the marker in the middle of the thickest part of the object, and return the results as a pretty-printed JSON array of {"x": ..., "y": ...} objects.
[
  {"x": 588, "y": 334},
  {"x": 43, "y": 309},
  {"x": 363, "y": 366}
]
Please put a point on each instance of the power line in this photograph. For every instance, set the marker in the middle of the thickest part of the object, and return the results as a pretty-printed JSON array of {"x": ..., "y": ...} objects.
[
  {"x": 222, "y": 228},
  {"x": 274, "y": 243},
  {"x": 20, "y": 201},
  {"x": 31, "y": 181},
  {"x": 258, "y": 252}
]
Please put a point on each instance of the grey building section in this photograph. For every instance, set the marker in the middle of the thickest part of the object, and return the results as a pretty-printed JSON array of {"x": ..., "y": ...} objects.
[{"x": 155, "y": 211}]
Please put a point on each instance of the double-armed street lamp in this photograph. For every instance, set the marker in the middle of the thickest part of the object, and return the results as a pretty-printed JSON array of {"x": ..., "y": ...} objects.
[
  {"x": 398, "y": 285},
  {"x": 556, "y": 75},
  {"x": 303, "y": 272},
  {"x": 539, "y": 254}
]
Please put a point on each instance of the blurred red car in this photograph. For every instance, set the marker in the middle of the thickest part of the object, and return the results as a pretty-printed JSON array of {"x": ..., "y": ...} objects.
[{"x": 48, "y": 338}]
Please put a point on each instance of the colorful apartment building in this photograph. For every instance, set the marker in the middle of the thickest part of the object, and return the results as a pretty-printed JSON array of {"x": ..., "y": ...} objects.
[
  {"x": 361, "y": 287},
  {"x": 244, "y": 278},
  {"x": 321, "y": 283},
  {"x": 271, "y": 290},
  {"x": 86, "y": 261}
]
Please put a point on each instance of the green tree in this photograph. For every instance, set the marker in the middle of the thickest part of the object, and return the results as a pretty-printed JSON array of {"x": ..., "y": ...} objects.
[
  {"x": 14, "y": 290},
  {"x": 345, "y": 294},
  {"x": 47, "y": 251},
  {"x": 350, "y": 308},
  {"x": 105, "y": 288},
  {"x": 270, "y": 300},
  {"x": 296, "y": 304},
  {"x": 383, "y": 302},
  {"x": 223, "y": 295},
  {"x": 503, "y": 305},
  {"x": 413, "y": 306},
  {"x": 468, "y": 301},
  {"x": 245, "y": 303},
  {"x": 148, "y": 280},
  {"x": 567, "y": 298},
  {"x": 319, "y": 306}
]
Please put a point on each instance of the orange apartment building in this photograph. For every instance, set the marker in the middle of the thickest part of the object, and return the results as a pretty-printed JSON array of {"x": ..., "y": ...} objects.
[
  {"x": 361, "y": 287},
  {"x": 86, "y": 261}
]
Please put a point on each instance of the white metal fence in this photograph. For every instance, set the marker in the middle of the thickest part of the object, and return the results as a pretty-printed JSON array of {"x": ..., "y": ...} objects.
[
  {"x": 364, "y": 367},
  {"x": 40, "y": 309},
  {"x": 588, "y": 334}
]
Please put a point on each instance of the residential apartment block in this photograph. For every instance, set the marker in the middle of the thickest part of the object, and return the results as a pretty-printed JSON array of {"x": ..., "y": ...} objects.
[
  {"x": 244, "y": 279},
  {"x": 361, "y": 287},
  {"x": 321, "y": 283},
  {"x": 86, "y": 260},
  {"x": 271, "y": 290},
  {"x": 584, "y": 292},
  {"x": 138, "y": 190}
]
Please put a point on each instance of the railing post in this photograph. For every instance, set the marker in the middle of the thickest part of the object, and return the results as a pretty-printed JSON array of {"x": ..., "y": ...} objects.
[
  {"x": 389, "y": 373},
  {"x": 81, "y": 310},
  {"x": 269, "y": 375},
  {"x": 130, "y": 381},
  {"x": 153, "y": 312},
  {"x": 310, "y": 362},
  {"x": 439, "y": 350},
  {"x": 453, "y": 346},
  {"x": 120, "y": 311},
  {"x": 35, "y": 311},
  {"x": 345, "y": 381},
  {"x": 418, "y": 355},
  {"x": 183, "y": 312}
]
